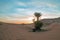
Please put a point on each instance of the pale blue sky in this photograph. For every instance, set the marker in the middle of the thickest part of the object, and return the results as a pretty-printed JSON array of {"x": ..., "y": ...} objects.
[{"x": 22, "y": 9}]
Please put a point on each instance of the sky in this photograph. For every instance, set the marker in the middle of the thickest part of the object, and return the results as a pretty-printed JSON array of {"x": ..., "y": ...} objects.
[{"x": 22, "y": 11}]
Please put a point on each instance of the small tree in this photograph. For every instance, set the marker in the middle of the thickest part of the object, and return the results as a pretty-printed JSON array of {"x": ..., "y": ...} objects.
[
  {"x": 37, "y": 15},
  {"x": 38, "y": 23}
]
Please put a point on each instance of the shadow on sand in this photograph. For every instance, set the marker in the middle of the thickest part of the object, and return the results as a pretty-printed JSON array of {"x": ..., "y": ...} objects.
[{"x": 42, "y": 30}]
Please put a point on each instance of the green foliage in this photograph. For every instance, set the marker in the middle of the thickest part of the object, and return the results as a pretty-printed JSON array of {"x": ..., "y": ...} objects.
[{"x": 38, "y": 25}]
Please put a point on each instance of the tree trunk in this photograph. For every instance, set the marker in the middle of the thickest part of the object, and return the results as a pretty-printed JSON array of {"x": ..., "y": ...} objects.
[{"x": 37, "y": 18}]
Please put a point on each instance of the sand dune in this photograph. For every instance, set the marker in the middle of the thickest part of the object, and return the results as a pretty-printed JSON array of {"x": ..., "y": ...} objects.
[{"x": 21, "y": 32}]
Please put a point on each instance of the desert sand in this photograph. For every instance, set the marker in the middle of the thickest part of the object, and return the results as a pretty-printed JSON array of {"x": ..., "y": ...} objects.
[{"x": 23, "y": 32}]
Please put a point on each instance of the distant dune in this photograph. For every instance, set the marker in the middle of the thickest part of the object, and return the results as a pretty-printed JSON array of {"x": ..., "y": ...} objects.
[
  {"x": 50, "y": 21},
  {"x": 23, "y": 32}
]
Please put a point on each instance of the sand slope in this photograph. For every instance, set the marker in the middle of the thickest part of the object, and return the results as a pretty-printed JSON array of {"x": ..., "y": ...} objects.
[{"x": 21, "y": 32}]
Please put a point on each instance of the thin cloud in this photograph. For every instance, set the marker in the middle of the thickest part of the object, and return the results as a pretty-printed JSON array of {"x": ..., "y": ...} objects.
[
  {"x": 20, "y": 3},
  {"x": 22, "y": 10}
]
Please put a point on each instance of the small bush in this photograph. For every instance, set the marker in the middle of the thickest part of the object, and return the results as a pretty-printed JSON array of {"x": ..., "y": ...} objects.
[{"x": 38, "y": 25}]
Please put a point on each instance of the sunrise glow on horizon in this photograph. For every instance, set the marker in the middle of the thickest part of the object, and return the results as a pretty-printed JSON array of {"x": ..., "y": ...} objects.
[{"x": 22, "y": 11}]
